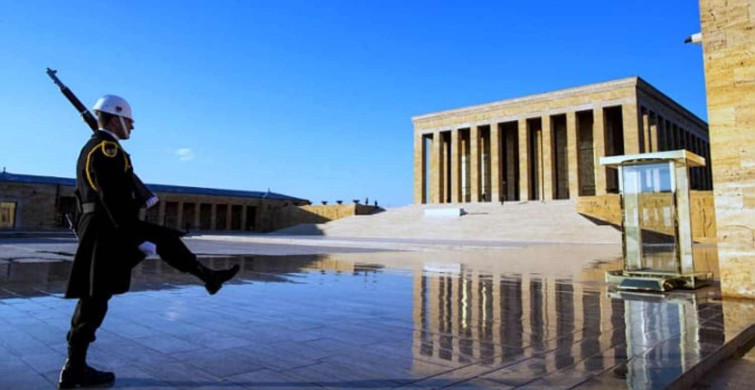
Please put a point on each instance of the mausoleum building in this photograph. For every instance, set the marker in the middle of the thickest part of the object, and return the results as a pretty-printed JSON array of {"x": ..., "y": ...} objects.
[{"x": 547, "y": 146}]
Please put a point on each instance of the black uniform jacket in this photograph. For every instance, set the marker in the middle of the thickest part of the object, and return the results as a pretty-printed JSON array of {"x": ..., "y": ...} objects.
[{"x": 108, "y": 237}]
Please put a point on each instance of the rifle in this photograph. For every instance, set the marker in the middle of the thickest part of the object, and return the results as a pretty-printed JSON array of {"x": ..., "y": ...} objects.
[{"x": 143, "y": 194}]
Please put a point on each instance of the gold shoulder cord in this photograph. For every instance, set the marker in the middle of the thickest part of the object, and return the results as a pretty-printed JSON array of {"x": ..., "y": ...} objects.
[{"x": 104, "y": 145}]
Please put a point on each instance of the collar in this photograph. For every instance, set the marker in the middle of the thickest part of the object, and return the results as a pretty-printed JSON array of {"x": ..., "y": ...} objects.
[{"x": 110, "y": 133}]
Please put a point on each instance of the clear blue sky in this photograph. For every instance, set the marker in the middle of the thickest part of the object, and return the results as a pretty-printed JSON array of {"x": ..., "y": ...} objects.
[{"x": 310, "y": 98}]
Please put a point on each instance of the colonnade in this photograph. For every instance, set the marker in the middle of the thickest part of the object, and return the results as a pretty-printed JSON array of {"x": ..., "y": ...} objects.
[
  {"x": 662, "y": 134},
  {"x": 544, "y": 157},
  {"x": 195, "y": 215}
]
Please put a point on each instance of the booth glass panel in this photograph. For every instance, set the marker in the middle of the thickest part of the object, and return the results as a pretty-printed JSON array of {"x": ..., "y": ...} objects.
[{"x": 649, "y": 215}]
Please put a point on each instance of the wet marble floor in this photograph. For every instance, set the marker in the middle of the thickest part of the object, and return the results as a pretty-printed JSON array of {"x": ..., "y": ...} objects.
[{"x": 343, "y": 322}]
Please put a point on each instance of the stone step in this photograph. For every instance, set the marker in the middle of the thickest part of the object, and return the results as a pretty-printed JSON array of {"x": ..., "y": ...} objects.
[{"x": 554, "y": 221}]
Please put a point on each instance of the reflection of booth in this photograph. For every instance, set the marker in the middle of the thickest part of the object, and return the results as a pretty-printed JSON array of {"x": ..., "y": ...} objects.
[
  {"x": 656, "y": 222},
  {"x": 665, "y": 335}
]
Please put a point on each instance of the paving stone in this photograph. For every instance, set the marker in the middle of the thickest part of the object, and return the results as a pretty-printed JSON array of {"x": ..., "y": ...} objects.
[
  {"x": 371, "y": 327},
  {"x": 218, "y": 363},
  {"x": 262, "y": 379},
  {"x": 167, "y": 344}
]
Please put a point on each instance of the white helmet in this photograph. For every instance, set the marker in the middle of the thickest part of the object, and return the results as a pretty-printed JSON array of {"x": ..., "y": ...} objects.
[{"x": 113, "y": 105}]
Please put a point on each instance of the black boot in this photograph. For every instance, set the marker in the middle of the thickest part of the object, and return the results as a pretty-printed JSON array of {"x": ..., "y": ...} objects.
[
  {"x": 213, "y": 280},
  {"x": 76, "y": 372}
]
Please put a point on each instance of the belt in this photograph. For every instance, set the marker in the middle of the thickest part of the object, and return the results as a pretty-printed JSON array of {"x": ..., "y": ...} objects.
[{"x": 87, "y": 208}]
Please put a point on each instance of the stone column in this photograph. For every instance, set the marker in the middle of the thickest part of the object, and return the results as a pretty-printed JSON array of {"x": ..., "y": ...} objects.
[
  {"x": 436, "y": 165},
  {"x": 571, "y": 154},
  {"x": 214, "y": 217},
  {"x": 546, "y": 151},
  {"x": 599, "y": 149},
  {"x": 524, "y": 171},
  {"x": 495, "y": 163},
  {"x": 662, "y": 135},
  {"x": 445, "y": 173},
  {"x": 180, "y": 217},
  {"x": 419, "y": 168},
  {"x": 645, "y": 132},
  {"x": 474, "y": 156},
  {"x": 161, "y": 212},
  {"x": 456, "y": 166},
  {"x": 631, "y": 129},
  {"x": 196, "y": 215},
  {"x": 653, "y": 141}
]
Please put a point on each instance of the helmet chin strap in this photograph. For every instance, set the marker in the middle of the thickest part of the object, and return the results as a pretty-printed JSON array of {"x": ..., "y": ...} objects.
[{"x": 123, "y": 126}]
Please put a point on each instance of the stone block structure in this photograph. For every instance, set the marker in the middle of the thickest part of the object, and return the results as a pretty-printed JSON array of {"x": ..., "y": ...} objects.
[
  {"x": 728, "y": 32},
  {"x": 29, "y": 202},
  {"x": 548, "y": 146}
]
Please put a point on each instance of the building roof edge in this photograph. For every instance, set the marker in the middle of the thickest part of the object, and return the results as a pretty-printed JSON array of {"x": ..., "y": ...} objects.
[
  {"x": 8, "y": 177},
  {"x": 622, "y": 82}
]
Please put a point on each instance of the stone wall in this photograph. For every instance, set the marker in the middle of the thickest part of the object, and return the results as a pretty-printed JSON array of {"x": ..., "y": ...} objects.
[
  {"x": 294, "y": 215},
  {"x": 607, "y": 208},
  {"x": 35, "y": 204},
  {"x": 40, "y": 207},
  {"x": 728, "y": 29}
]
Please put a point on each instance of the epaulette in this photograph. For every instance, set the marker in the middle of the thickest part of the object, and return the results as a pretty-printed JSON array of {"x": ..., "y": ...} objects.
[{"x": 109, "y": 148}]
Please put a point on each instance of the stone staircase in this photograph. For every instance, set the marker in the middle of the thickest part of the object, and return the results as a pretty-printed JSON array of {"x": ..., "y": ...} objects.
[{"x": 553, "y": 221}]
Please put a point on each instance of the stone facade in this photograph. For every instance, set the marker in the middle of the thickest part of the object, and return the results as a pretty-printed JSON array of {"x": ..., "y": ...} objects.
[
  {"x": 295, "y": 215},
  {"x": 548, "y": 146},
  {"x": 40, "y": 203},
  {"x": 728, "y": 30}
]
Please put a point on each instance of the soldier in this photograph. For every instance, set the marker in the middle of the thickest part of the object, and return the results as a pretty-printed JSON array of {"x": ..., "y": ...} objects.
[{"x": 112, "y": 239}]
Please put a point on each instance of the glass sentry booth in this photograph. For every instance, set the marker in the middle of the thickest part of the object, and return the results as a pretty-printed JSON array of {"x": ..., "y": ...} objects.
[{"x": 656, "y": 221}]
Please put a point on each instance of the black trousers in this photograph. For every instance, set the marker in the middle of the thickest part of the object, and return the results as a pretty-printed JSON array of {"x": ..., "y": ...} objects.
[
  {"x": 170, "y": 248},
  {"x": 90, "y": 311},
  {"x": 88, "y": 316}
]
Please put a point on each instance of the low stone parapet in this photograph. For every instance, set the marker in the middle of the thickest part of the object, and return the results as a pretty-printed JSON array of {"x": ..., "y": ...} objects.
[{"x": 607, "y": 208}]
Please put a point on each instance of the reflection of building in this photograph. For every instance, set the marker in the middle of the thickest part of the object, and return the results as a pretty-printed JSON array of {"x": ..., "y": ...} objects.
[
  {"x": 547, "y": 146},
  {"x": 30, "y": 202},
  {"x": 500, "y": 320}
]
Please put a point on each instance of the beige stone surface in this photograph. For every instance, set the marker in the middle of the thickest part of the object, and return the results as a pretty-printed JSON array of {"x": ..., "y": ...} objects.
[
  {"x": 547, "y": 150},
  {"x": 474, "y": 169},
  {"x": 524, "y": 170},
  {"x": 435, "y": 169},
  {"x": 455, "y": 166},
  {"x": 571, "y": 150},
  {"x": 35, "y": 205},
  {"x": 554, "y": 221},
  {"x": 728, "y": 28},
  {"x": 293, "y": 215},
  {"x": 495, "y": 163},
  {"x": 419, "y": 174},
  {"x": 608, "y": 208},
  {"x": 599, "y": 149}
]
